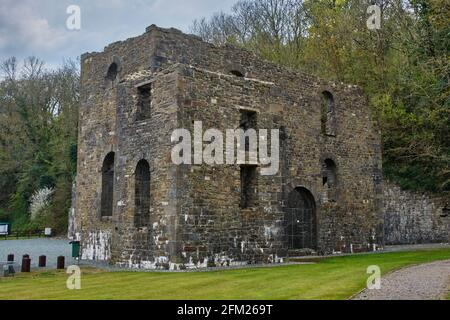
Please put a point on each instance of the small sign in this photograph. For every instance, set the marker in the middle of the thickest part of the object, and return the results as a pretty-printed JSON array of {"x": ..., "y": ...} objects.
[
  {"x": 48, "y": 232},
  {"x": 5, "y": 229}
]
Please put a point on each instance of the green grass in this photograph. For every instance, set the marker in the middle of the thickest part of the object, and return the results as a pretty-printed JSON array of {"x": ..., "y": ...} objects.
[{"x": 332, "y": 278}]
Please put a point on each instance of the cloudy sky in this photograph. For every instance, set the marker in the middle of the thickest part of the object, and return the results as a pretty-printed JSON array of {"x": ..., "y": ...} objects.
[{"x": 38, "y": 27}]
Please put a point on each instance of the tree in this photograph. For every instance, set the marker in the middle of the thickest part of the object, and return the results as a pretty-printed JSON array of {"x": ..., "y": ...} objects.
[{"x": 38, "y": 130}]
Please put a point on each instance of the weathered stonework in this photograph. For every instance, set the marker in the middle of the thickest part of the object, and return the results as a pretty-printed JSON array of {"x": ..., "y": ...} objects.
[
  {"x": 329, "y": 178},
  {"x": 415, "y": 218}
]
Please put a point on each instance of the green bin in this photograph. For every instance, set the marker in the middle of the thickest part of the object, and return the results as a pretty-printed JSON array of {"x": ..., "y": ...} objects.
[{"x": 75, "y": 249}]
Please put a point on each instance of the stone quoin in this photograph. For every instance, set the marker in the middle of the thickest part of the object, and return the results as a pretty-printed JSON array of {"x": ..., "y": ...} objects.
[{"x": 135, "y": 208}]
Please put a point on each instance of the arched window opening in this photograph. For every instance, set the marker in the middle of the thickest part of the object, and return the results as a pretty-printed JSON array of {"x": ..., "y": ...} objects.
[
  {"x": 329, "y": 179},
  {"x": 300, "y": 220},
  {"x": 111, "y": 75},
  {"x": 142, "y": 194},
  {"x": 328, "y": 119},
  {"x": 107, "y": 185},
  {"x": 237, "y": 73}
]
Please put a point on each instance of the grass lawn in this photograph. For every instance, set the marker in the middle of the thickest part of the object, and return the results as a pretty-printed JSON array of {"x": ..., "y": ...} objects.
[{"x": 332, "y": 278}]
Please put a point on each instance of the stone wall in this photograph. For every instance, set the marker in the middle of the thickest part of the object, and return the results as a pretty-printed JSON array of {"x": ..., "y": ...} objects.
[
  {"x": 211, "y": 223},
  {"x": 109, "y": 123},
  {"x": 414, "y": 218},
  {"x": 195, "y": 214}
]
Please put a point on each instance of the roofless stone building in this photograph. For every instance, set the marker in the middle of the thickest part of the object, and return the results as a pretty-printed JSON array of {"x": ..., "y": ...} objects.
[{"x": 136, "y": 208}]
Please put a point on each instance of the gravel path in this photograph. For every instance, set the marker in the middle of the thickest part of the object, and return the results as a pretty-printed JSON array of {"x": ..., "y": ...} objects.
[
  {"x": 423, "y": 282},
  {"x": 415, "y": 247}
]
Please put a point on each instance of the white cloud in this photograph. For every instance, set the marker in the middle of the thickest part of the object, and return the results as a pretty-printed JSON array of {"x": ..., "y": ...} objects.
[
  {"x": 29, "y": 27},
  {"x": 21, "y": 27}
]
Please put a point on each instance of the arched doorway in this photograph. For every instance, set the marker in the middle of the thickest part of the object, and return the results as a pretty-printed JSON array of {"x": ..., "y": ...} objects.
[{"x": 300, "y": 220}]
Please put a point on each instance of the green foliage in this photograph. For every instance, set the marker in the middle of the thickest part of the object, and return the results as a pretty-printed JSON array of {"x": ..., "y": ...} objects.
[
  {"x": 404, "y": 67},
  {"x": 38, "y": 132},
  {"x": 4, "y": 216}
]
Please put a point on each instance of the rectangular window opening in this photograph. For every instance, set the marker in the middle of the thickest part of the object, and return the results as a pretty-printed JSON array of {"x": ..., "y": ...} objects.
[
  {"x": 144, "y": 102},
  {"x": 248, "y": 121},
  {"x": 249, "y": 186}
]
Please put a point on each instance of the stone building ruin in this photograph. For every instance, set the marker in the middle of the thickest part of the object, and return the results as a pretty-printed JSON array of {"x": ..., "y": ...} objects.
[{"x": 135, "y": 208}]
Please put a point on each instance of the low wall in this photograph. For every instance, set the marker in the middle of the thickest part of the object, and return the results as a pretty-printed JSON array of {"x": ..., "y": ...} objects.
[{"x": 412, "y": 218}]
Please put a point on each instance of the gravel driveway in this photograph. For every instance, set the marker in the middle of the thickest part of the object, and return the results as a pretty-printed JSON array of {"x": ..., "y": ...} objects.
[
  {"x": 52, "y": 248},
  {"x": 423, "y": 282}
]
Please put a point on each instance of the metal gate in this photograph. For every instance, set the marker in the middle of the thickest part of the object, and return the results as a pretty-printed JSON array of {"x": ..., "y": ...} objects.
[{"x": 300, "y": 220}]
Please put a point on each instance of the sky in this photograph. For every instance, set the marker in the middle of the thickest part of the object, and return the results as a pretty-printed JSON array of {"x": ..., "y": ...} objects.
[{"x": 39, "y": 27}]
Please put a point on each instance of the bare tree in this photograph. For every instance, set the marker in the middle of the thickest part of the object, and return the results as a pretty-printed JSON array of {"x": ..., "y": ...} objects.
[{"x": 9, "y": 68}]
